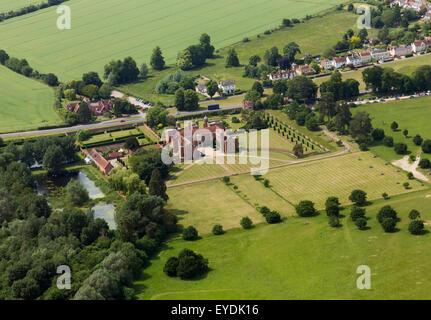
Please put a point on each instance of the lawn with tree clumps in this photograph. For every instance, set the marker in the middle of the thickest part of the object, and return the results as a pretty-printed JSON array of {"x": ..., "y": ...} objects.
[{"x": 284, "y": 261}]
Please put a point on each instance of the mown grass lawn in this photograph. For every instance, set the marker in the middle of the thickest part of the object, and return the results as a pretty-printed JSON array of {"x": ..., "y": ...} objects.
[
  {"x": 195, "y": 205},
  {"x": 338, "y": 176},
  {"x": 304, "y": 258},
  {"x": 410, "y": 114},
  {"x": 24, "y": 103}
]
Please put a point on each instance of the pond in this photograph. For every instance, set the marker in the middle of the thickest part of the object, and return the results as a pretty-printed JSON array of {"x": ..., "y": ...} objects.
[
  {"x": 105, "y": 211},
  {"x": 51, "y": 185}
]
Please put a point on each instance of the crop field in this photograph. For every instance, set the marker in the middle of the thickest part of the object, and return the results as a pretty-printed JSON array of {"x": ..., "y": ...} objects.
[
  {"x": 24, "y": 103},
  {"x": 8, "y": 5},
  {"x": 103, "y": 30},
  {"x": 304, "y": 258},
  {"x": 194, "y": 204},
  {"x": 410, "y": 114},
  {"x": 338, "y": 176}
]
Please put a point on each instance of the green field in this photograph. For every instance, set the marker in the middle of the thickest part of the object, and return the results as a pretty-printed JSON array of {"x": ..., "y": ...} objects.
[
  {"x": 8, "y": 5},
  {"x": 338, "y": 176},
  {"x": 24, "y": 103},
  {"x": 108, "y": 29},
  {"x": 199, "y": 209},
  {"x": 410, "y": 114},
  {"x": 298, "y": 260}
]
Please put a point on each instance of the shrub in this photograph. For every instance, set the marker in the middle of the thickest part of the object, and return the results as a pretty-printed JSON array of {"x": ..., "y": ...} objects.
[
  {"x": 416, "y": 227},
  {"x": 385, "y": 196},
  {"x": 400, "y": 148},
  {"x": 246, "y": 223},
  {"x": 386, "y": 212},
  {"x": 191, "y": 264},
  {"x": 410, "y": 175},
  {"x": 363, "y": 147},
  {"x": 378, "y": 134},
  {"x": 424, "y": 163},
  {"x": 226, "y": 179},
  {"x": 171, "y": 267},
  {"x": 394, "y": 126},
  {"x": 388, "y": 224},
  {"x": 218, "y": 230},
  {"x": 306, "y": 208},
  {"x": 426, "y": 146},
  {"x": 358, "y": 197},
  {"x": 406, "y": 185},
  {"x": 417, "y": 140},
  {"x": 334, "y": 221},
  {"x": 332, "y": 206},
  {"x": 388, "y": 141},
  {"x": 190, "y": 233},
  {"x": 357, "y": 213},
  {"x": 266, "y": 183},
  {"x": 361, "y": 223},
  {"x": 264, "y": 210},
  {"x": 414, "y": 214},
  {"x": 273, "y": 217}
]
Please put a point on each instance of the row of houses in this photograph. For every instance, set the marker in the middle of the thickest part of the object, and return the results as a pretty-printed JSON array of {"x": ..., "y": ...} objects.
[
  {"x": 296, "y": 70},
  {"x": 356, "y": 59}
]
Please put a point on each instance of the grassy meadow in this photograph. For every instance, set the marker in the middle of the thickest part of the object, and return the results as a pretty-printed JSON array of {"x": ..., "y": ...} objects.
[
  {"x": 24, "y": 103},
  {"x": 410, "y": 114},
  {"x": 304, "y": 258}
]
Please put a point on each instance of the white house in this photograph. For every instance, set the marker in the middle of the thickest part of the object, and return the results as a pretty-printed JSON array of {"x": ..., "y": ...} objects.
[
  {"x": 421, "y": 45},
  {"x": 339, "y": 62},
  {"x": 227, "y": 86},
  {"x": 354, "y": 59}
]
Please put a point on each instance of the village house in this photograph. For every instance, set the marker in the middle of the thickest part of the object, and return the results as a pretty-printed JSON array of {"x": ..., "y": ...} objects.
[
  {"x": 103, "y": 164},
  {"x": 97, "y": 108},
  {"x": 227, "y": 86},
  {"x": 365, "y": 56},
  {"x": 201, "y": 88},
  {"x": 421, "y": 45},
  {"x": 339, "y": 62},
  {"x": 354, "y": 60},
  {"x": 184, "y": 141},
  {"x": 247, "y": 104},
  {"x": 400, "y": 51},
  {"x": 282, "y": 75},
  {"x": 304, "y": 70},
  {"x": 326, "y": 64},
  {"x": 381, "y": 54}
]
